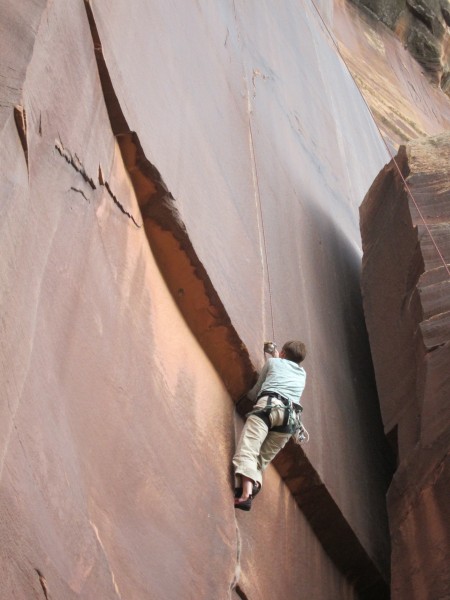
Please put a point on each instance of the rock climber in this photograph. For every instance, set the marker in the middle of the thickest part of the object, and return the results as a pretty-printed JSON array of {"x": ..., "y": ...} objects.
[{"x": 274, "y": 419}]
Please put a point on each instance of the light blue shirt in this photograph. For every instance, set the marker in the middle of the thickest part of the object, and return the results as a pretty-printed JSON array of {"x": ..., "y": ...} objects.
[{"x": 283, "y": 376}]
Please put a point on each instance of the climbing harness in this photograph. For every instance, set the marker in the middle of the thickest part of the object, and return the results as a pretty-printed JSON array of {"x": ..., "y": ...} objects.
[
  {"x": 299, "y": 433},
  {"x": 292, "y": 422}
]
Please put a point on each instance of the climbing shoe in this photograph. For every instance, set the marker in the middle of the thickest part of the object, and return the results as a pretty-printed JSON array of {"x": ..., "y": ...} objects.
[
  {"x": 244, "y": 504},
  {"x": 255, "y": 490}
]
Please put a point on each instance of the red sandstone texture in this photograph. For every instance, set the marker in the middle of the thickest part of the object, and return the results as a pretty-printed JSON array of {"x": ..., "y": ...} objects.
[
  {"x": 178, "y": 186},
  {"x": 423, "y": 27},
  {"x": 406, "y": 282},
  {"x": 403, "y": 103}
]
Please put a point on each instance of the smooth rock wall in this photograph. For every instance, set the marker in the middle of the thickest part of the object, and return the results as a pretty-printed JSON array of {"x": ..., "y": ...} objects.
[
  {"x": 116, "y": 430},
  {"x": 259, "y": 140},
  {"x": 180, "y": 181}
]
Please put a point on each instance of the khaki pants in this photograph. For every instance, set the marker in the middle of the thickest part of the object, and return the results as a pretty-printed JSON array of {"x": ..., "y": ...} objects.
[{"x": 258, "y": 446}]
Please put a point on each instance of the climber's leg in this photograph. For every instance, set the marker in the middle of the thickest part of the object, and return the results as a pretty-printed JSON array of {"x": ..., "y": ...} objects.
[
  {"x": 273, "y": 443},
  {"x": 245, "y": 459},
  {"x": 275, "y": 440}
]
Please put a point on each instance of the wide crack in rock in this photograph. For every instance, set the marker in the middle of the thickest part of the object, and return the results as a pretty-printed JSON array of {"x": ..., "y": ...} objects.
[
  {"x": 204, "y": 312},
  {"x": 182, "y": 270}
]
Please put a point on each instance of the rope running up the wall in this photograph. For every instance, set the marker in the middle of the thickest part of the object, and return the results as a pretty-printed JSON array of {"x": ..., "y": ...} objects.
[
  {"x": 262, "y": 220},
  {"x": 407, "y": 188}
]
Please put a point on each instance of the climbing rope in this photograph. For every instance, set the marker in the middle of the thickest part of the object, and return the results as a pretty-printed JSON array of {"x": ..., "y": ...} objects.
[
  {"x": 258, "y": 193},
  {"x": 255, "y": 170},
  {"x": 407, "y": 188},
  {"x": 261, "y": 215}
]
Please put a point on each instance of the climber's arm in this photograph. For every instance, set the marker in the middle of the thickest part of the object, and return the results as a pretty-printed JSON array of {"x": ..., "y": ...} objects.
[{"x": 253, "y": 393}]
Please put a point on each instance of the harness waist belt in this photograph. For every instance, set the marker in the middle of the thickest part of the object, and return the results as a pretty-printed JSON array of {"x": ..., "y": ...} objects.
[{"x": 284, "y": 400}]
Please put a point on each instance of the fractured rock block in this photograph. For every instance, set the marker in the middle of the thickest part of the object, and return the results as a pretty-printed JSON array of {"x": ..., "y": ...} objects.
[{"x": 406, "y": 290}]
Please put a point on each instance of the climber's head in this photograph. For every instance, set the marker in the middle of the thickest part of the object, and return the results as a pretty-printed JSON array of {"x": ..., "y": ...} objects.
[{"x": 295, "y": 351}]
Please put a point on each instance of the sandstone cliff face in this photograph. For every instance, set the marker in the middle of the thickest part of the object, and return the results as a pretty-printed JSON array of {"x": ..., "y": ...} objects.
[
  {"x": 423, "y": 27},
  {"x": 177, "y": 186},
  {"x": 402, "y": 102},
  {"x": 406, "y": 278}
]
